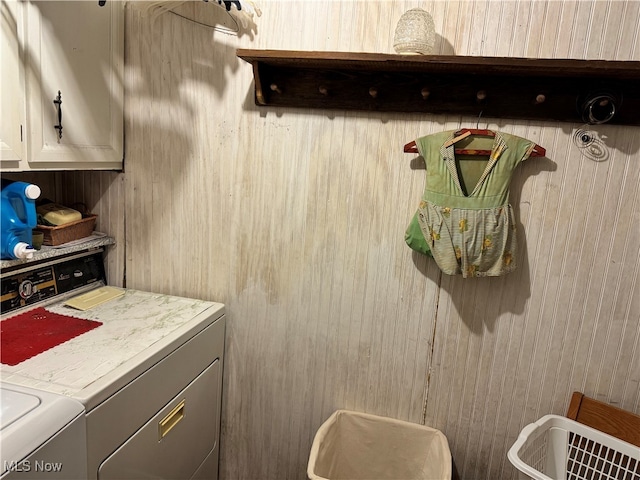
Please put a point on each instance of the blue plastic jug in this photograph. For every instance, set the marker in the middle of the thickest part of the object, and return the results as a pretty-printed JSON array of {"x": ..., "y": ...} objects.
[{"x": 18, "y": 219}]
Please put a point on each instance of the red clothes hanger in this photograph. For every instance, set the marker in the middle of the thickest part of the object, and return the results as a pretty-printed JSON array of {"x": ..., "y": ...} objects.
[{"x": 411, "y": 147}]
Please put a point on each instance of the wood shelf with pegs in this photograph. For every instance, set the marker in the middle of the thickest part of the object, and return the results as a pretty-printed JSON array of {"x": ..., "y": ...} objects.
[{"x": 585, "y": 91}]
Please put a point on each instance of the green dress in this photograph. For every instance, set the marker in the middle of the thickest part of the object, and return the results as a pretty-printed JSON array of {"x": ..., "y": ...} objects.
[{"x": 465, "y": 220}]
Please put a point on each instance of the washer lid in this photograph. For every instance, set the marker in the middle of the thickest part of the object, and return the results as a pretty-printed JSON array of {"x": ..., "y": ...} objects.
[
  {"x": 14, "y": 405},
  {"x": 30, "y": 418}
]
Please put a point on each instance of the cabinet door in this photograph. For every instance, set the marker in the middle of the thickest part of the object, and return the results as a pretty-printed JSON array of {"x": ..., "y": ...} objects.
[
  {"x": 11, "y": 86},
  {"x": 75, "y": 50}
]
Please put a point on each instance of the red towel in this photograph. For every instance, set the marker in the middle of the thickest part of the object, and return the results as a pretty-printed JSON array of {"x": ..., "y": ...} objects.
[{"x": 38, "y": 330}]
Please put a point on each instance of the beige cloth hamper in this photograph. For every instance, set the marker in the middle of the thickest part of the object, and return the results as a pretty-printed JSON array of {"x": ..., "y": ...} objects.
[{"x": 358, "y": 446}]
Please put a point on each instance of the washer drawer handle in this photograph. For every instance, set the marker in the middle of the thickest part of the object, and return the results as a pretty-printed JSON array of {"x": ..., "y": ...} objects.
[{"x": 171, "y": 420}]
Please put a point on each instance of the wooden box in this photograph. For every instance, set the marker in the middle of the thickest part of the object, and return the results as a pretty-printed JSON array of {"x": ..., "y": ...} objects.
[{"x": 67, "y": 233}]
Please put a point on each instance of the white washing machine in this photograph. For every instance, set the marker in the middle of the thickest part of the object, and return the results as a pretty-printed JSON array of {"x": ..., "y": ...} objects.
[
  {"x": 149, "y": 377},
  {"x": 42, "y": 435}
]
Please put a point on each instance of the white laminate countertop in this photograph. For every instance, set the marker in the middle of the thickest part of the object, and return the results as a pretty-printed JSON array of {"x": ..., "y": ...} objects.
[{"x": 139, "y": 329}]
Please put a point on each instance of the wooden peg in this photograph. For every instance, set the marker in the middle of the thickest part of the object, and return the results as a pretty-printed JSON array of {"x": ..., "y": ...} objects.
[
  {"x": 425, "y": 93},
  {"x": 275, "y": 88},
  {"x": 373, "y": 91},
  {"x": 540, "y": 98},
  {"x": 481, "y": 95},
  {"x": 323, "y": 90}
]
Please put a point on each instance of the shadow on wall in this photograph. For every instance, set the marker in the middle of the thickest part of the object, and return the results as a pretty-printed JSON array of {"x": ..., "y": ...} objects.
[
  {"x": 481, "y": 301},
  {"x": 172, "y": 46},
  {"x": 442, "y": 46}
]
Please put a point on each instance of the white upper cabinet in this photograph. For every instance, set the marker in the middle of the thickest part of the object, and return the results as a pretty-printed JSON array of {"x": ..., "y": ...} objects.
[
  {"x": 12, "y": 105},
  {"x": 72, "y": 57}
]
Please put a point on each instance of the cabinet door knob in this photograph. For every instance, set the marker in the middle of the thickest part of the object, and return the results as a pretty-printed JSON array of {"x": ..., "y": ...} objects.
[{"x": 58, "y": 127}]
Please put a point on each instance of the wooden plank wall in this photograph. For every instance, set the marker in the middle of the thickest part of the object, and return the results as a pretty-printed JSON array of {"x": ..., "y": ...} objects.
[{"x": 295, "y": 220}]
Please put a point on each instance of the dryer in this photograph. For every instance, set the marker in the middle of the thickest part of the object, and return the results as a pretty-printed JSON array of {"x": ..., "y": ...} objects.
[{"x": 149, "y": 377}]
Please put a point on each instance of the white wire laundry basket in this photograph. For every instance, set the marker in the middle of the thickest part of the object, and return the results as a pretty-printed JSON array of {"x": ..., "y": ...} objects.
[{"x": 558, "y": 448}]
